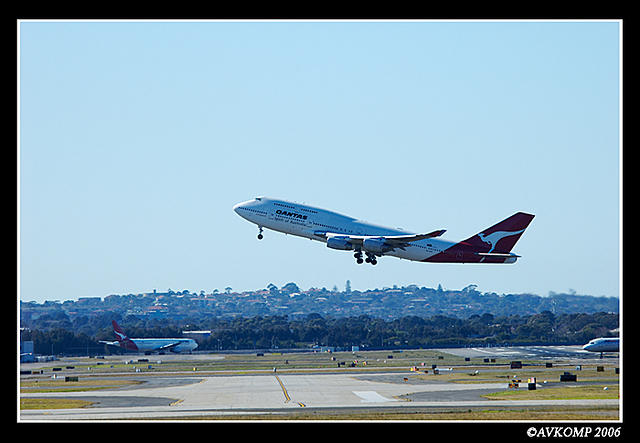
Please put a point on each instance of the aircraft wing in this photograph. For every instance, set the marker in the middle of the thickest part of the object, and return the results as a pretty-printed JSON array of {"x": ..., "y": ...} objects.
[
  {"x": 168, "y": 346},
  {"x": 410, "y": 238},
  {"x": 385, "y": 242},
  {"x": 112, "y": 343},
  {"x": 358, "y": 239}
]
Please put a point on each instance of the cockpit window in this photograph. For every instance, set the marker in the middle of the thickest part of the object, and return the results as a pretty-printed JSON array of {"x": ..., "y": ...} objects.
[{"x": 259, "y": 198}]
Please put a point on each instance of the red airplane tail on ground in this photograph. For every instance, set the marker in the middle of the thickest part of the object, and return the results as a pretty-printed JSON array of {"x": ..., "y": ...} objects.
[{"x": 125, "y": 342}]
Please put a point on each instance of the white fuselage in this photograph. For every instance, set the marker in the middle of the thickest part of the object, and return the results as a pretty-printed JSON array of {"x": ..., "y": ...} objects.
[
  {"x": 157, "y": 344},
  {"x": 603, "y": 344},
  {"x": 308, "y": 221}
]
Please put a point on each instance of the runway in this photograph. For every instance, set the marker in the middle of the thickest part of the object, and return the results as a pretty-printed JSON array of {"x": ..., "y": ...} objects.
[
  {"x": 275, "y": 394},
  {"x": 524, "y": 352}
]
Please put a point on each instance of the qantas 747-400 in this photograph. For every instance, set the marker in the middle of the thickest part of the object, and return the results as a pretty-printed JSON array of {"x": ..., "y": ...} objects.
[
  {"x": 149, "y": 345},
  {"x": 493, "y": 245}
]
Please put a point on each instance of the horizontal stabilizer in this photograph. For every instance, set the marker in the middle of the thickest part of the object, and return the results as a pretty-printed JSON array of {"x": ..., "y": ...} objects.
[{"x": 497, "y": 255}]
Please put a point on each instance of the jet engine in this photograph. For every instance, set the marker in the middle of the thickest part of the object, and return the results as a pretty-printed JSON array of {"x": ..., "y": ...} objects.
[
  {"x": 376, "y": 245},
  {"x": 339, "y": 243}
]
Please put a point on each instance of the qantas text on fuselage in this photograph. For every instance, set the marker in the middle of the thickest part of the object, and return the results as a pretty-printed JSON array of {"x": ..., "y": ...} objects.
[{"x": 492, "y": 245}]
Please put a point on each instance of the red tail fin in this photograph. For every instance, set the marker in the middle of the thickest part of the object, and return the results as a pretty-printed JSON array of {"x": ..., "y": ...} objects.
[
  {"x": 501, "y": 237},
  {"x": 125, "y": 342},
  {"x": 118, "y": 331}
]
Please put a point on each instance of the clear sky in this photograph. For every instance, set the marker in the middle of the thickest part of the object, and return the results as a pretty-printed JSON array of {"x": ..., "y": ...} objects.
[{"x": 137, "y": 138}]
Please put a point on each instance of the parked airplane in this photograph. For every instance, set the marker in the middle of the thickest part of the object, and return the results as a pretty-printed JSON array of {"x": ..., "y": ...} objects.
[
  {"x": 603, "y": 344},
  {"x": 493, "y": 245},
  {"x": 149, "y": 345}
]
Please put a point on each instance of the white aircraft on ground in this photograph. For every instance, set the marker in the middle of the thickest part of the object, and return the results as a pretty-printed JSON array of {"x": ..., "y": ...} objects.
[
  {"x": 149, "y": 345},
  {"x": 493, "y": 245},
  {"x": 603, "y": 344}
]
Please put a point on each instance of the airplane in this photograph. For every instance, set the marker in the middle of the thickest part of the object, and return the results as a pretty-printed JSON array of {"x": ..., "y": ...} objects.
[
  {"x": 603, "y": 344},
  {"x": 341, "y": 232},
  {"x": 148, "y": 345}
]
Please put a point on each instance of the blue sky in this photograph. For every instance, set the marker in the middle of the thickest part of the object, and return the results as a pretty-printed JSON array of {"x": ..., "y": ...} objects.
[{"x": 137, "y": 138}]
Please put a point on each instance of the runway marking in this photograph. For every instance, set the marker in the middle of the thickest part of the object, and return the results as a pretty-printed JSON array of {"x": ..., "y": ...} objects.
[
  {"x": 284, "y": 390},
  {"x": 175, "y": 403},
  {"x": 371, "y": 397}
]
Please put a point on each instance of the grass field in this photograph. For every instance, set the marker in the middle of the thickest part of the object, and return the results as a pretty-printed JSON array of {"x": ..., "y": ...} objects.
[
  {"x": 52, "y": 403},
  {"x": 83, "y": 384},
  {"x": 586, "y": 392},
  {"x": 423, "y": 359},
  {"x": 547, "y": 414},
  {"x": 497, "y": 374}
]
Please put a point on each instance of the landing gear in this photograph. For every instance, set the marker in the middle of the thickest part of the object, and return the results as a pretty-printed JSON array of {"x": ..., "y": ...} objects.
[
  {"x": 371, "y": 258},
  {"x": 358, "y": 256},
  {"x": 260, "y": 236}
]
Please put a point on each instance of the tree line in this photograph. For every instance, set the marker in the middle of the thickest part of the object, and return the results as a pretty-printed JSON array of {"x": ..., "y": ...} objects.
[{"x": 271, "y": 332}]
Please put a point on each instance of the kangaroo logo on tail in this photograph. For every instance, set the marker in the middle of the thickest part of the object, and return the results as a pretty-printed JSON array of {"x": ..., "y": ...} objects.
[
  {"x": 125, "y": 342},
  {"x": 502, "y": 236},
  {"x": 498, "y": 239},
  {"x": 493, "y": 238},
  {"x": 118, "y": 331}
]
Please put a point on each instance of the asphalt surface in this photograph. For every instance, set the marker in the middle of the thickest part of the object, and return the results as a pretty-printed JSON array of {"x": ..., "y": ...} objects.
[{"x": 529, "y": 352}]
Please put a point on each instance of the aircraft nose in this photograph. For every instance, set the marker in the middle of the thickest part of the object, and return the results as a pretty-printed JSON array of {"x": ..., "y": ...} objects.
[{"x": 237, "y": 207}]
